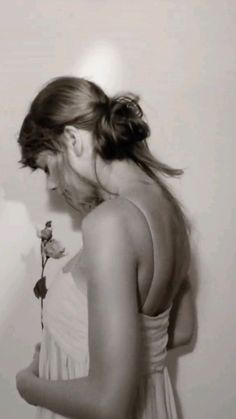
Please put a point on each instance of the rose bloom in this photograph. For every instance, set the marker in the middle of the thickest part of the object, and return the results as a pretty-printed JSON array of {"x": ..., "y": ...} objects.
[
  {"x": 54, "y": 249},
  {"x": 46, "y": 233}
]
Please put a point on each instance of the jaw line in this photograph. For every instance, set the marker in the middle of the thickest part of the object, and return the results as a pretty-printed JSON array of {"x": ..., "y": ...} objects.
[{"x": 68, "y": 201}]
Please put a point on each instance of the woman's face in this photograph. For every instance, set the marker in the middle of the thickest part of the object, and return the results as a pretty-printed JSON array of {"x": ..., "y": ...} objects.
[{"x": 78, "y": 191}]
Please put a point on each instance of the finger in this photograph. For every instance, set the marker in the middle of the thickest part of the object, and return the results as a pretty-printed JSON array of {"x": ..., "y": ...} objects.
[
  {"x": 38, "y": 346},
  {"x": 36, "y": 356}
]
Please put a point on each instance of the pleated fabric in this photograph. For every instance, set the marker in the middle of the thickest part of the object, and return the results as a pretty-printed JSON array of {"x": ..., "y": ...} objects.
[{"x": 64, "y": 348}]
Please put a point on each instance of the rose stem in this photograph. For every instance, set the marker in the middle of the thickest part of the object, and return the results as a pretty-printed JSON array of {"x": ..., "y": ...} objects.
[{"x": 43, "y": 267}]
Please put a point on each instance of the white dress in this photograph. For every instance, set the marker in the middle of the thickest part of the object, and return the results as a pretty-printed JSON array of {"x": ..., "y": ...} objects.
[{"x": 64, "y": 349}]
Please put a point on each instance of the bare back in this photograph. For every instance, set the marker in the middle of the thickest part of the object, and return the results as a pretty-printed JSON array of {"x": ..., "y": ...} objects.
[{"x": 161, "y": 244}]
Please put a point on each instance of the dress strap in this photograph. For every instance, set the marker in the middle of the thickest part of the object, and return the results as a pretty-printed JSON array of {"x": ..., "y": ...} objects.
[{"x": 133, "y": 201}]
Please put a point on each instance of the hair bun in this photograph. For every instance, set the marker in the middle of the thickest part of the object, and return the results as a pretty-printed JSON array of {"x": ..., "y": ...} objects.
[{"x": 121, "y": 126}]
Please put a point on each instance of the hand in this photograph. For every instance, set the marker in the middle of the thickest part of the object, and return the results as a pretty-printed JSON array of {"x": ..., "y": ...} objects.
[
  {"x": 35, "y": 363},
  {"x": 23, "y": 383},
  {"x": 25, "y": 376}
]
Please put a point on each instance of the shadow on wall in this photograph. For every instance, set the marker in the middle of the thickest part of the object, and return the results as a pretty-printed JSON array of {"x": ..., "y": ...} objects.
[
  {"x": 18, "y": 242},
  {"x": 37, "y": 199},
  {"x": 18, "y": 308},
  {"x": 174, "y": 355}
]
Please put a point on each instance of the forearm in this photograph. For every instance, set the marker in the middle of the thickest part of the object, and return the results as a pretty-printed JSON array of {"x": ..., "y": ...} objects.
[
  {"x": 176, "y": 341},
  {"x": 180, "y": 336},
  {"x": 77, "y": 398},
  {"x": 182, "y": 318}
]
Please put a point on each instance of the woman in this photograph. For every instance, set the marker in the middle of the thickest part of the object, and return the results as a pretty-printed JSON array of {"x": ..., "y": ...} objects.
[{"x": 107, "y": 317}]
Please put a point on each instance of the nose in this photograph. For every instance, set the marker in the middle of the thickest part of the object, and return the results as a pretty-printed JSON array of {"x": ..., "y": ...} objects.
[{"x": 51, "y": 184}]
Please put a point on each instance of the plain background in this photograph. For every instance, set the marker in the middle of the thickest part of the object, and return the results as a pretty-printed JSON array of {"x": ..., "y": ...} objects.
[{"x": 180, "y": 57}]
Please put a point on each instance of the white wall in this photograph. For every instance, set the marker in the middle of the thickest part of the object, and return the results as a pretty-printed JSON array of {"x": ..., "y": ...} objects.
[{"x": 180, "y": 56}]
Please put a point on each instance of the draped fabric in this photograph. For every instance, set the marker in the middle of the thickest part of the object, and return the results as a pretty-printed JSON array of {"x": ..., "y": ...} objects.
[{"x": 64, "y": 349}]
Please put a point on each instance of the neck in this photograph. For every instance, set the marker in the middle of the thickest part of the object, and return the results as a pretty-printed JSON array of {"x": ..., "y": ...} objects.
[{"x": 120, "y": 176}]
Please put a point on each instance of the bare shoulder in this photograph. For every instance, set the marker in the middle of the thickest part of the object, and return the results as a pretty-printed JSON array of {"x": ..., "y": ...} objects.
[
  {"x": 105, "y": 221},
  {"x": 116, "y": 208},
  {"x": 106, "y": 211},
  {"x": 117, "y": 218}
]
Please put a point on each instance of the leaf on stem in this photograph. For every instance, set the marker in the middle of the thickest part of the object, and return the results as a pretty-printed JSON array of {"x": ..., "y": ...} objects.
[{"x": 40, "y": 289}]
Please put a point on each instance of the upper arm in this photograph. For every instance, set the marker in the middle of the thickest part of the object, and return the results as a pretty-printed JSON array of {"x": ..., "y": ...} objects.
[
  {"x": 182, "y": 318},
  {"x": 112, "y": 305}
]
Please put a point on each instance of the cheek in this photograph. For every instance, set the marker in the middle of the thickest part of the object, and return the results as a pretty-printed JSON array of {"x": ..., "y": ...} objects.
[
  {"x": 78, "y": 185},
  {"x": 80, "y": 191},
  {"x": 63, "y": 174},
  {"x": 75, "y": 186}
]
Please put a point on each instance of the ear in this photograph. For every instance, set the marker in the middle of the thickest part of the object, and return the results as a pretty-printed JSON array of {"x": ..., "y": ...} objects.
[{"x": 73, "y": 140}]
